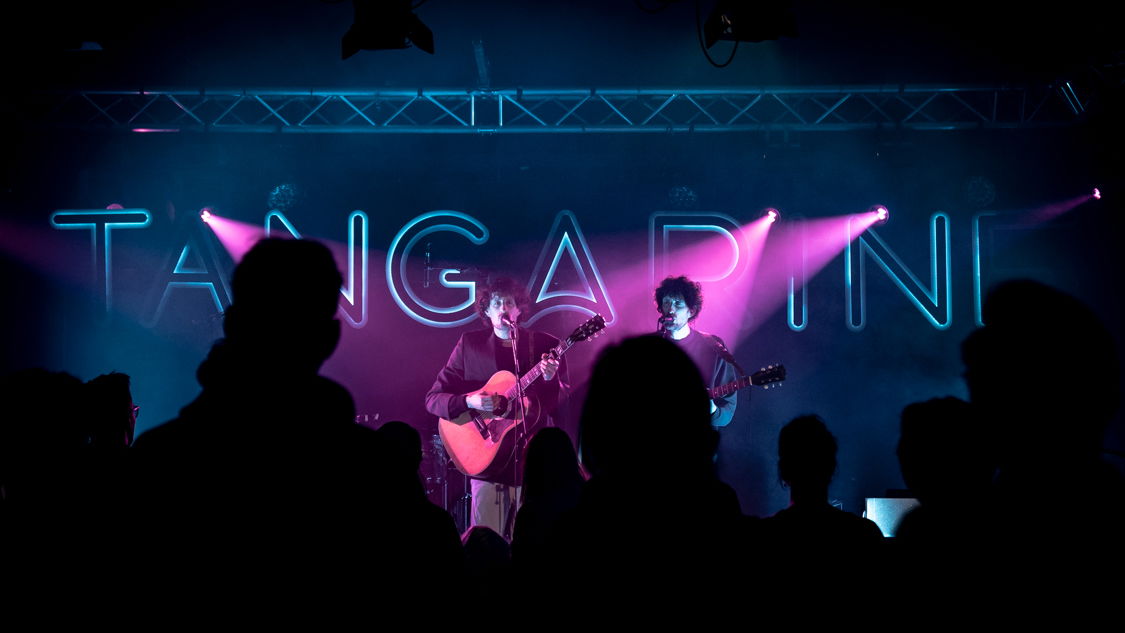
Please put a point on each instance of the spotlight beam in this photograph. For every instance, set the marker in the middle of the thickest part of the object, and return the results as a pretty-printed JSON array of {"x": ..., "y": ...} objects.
[{"x": 236, "y": 237}]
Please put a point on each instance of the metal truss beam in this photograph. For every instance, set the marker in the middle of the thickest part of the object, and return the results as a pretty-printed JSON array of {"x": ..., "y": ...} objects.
[{"x": 565, "y": 111}]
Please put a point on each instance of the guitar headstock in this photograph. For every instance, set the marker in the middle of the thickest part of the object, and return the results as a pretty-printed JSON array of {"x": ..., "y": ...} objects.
[
  {"x": 769, "y": 376},
  {"x": 591, "y": 328}
]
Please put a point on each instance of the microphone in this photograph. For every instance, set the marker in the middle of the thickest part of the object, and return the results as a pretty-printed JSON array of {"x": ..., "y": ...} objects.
[
  {"x": 513, "y": 330},
  {"x": 663, "y": 322}
]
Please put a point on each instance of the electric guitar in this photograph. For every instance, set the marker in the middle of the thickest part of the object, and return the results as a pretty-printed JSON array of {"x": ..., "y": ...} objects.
[
  {"x": 767, "y": 377},
  {"x": 474, "y": 438}
]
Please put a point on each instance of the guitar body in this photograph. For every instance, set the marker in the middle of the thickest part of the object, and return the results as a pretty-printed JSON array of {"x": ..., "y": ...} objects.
[
  {"x": 482, "y": 446},
  {"x": 475, "y": 442}
]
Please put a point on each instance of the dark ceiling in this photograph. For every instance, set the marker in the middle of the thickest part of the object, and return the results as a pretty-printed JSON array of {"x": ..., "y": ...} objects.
[{"x": 541, "y": 43}]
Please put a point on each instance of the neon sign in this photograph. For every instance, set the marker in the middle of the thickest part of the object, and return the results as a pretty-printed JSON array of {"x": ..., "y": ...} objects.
[
  {"x": 933, "y": 301},
  {"x": 205, "y": 274},
  {"x": 591, "y": 296},
  {"x": 801, "y": 266},
  {"x": 658, "y": 219},
  {"x": 398, "y": 254},
  {"x": 195, "y": 265},
  {"x": 101, "y": 223}
]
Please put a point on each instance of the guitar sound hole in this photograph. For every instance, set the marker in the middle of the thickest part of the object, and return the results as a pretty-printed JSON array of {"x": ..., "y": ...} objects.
[{"x": 501, "y": 407}]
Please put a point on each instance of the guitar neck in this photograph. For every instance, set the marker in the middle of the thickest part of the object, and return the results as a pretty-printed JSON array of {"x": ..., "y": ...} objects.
[
  {"x": 769, "y": 376},
  {"x": 535, "y": 372},
  {"x": 726, "y": 389}
]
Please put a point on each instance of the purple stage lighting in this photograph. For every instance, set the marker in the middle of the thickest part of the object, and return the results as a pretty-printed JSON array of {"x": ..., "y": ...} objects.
[
  {"x": 773, "y": 214},
  {"x": 1097, "y": 194},
  {"x": 236, "y": 237},
  {"x": 881, "y": 214},
  {"x": 1050, "y": 211}
]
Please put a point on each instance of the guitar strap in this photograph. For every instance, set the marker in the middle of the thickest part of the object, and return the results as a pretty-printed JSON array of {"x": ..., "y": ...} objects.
[{"x": 725, "y": 353}]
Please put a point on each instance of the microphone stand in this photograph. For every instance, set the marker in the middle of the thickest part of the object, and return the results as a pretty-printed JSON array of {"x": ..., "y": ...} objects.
[{"x": 520, "y": 432}]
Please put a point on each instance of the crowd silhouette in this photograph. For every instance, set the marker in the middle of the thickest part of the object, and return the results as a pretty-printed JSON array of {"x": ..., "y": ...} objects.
[{"x": 265, "y": 479}]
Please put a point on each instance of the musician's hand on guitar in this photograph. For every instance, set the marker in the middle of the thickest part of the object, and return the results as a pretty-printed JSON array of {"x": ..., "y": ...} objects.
[
  {"x": 549, "y": 365},
  {"x": 482, "y": 401}
]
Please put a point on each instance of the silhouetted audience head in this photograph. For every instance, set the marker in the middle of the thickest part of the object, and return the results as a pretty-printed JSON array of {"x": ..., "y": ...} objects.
[
  {"x": 1043, "y": 373},
  {"x": 111, "y": 415},
  {"x": 488, "y": 558},
  {"x": 806, "y": 455},
  {"x": 1043, "y": 370},
  {"x": 39, "y": 412},
  {"x": 551, "y": 464},
  {"x": 552, "y": 485},
  {"x": 804, "y": 542},
  {"x": 403, "y": 442},
  {"x": 260, "y": 383},
  {"x": 285, "y": 295},
  {"x": 646, "y": 383},
  {"x": 400, "y": 448},
  {"x": 944, "y": 451}
]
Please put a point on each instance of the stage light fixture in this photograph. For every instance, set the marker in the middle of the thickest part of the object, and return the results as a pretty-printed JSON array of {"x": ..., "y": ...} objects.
[
  {"x": 773, "y": 214},
  {"x": 1097, "y": 194},
  {"x": 741, "y": 21},
  {"x": 385, "y": 25},
  {"x": 205, "y": 215},
  {"x": 881, "y": 213}
]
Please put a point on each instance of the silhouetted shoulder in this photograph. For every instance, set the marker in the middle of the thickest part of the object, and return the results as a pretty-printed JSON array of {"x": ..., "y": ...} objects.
[
  {"x": 159, "y": 437},
  {"x": 822, "y": 523}
]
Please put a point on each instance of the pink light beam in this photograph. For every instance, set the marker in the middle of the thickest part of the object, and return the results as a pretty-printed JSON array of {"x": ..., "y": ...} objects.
[{"x": 236, "y": 237}]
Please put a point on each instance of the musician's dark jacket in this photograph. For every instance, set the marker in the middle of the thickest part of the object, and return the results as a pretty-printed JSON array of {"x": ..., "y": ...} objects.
[
  {"x": 476, "y": 357},
  {"x": 715, "y": 369}
]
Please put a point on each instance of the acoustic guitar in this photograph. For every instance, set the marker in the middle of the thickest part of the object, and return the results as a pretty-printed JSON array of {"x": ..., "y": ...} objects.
[
  {"x": 474, "y": 438},
  {"x": 767, "y": 377}
]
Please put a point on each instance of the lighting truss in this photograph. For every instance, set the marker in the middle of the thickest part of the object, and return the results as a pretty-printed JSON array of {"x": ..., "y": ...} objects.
[{"x": 566, "y": 111}]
